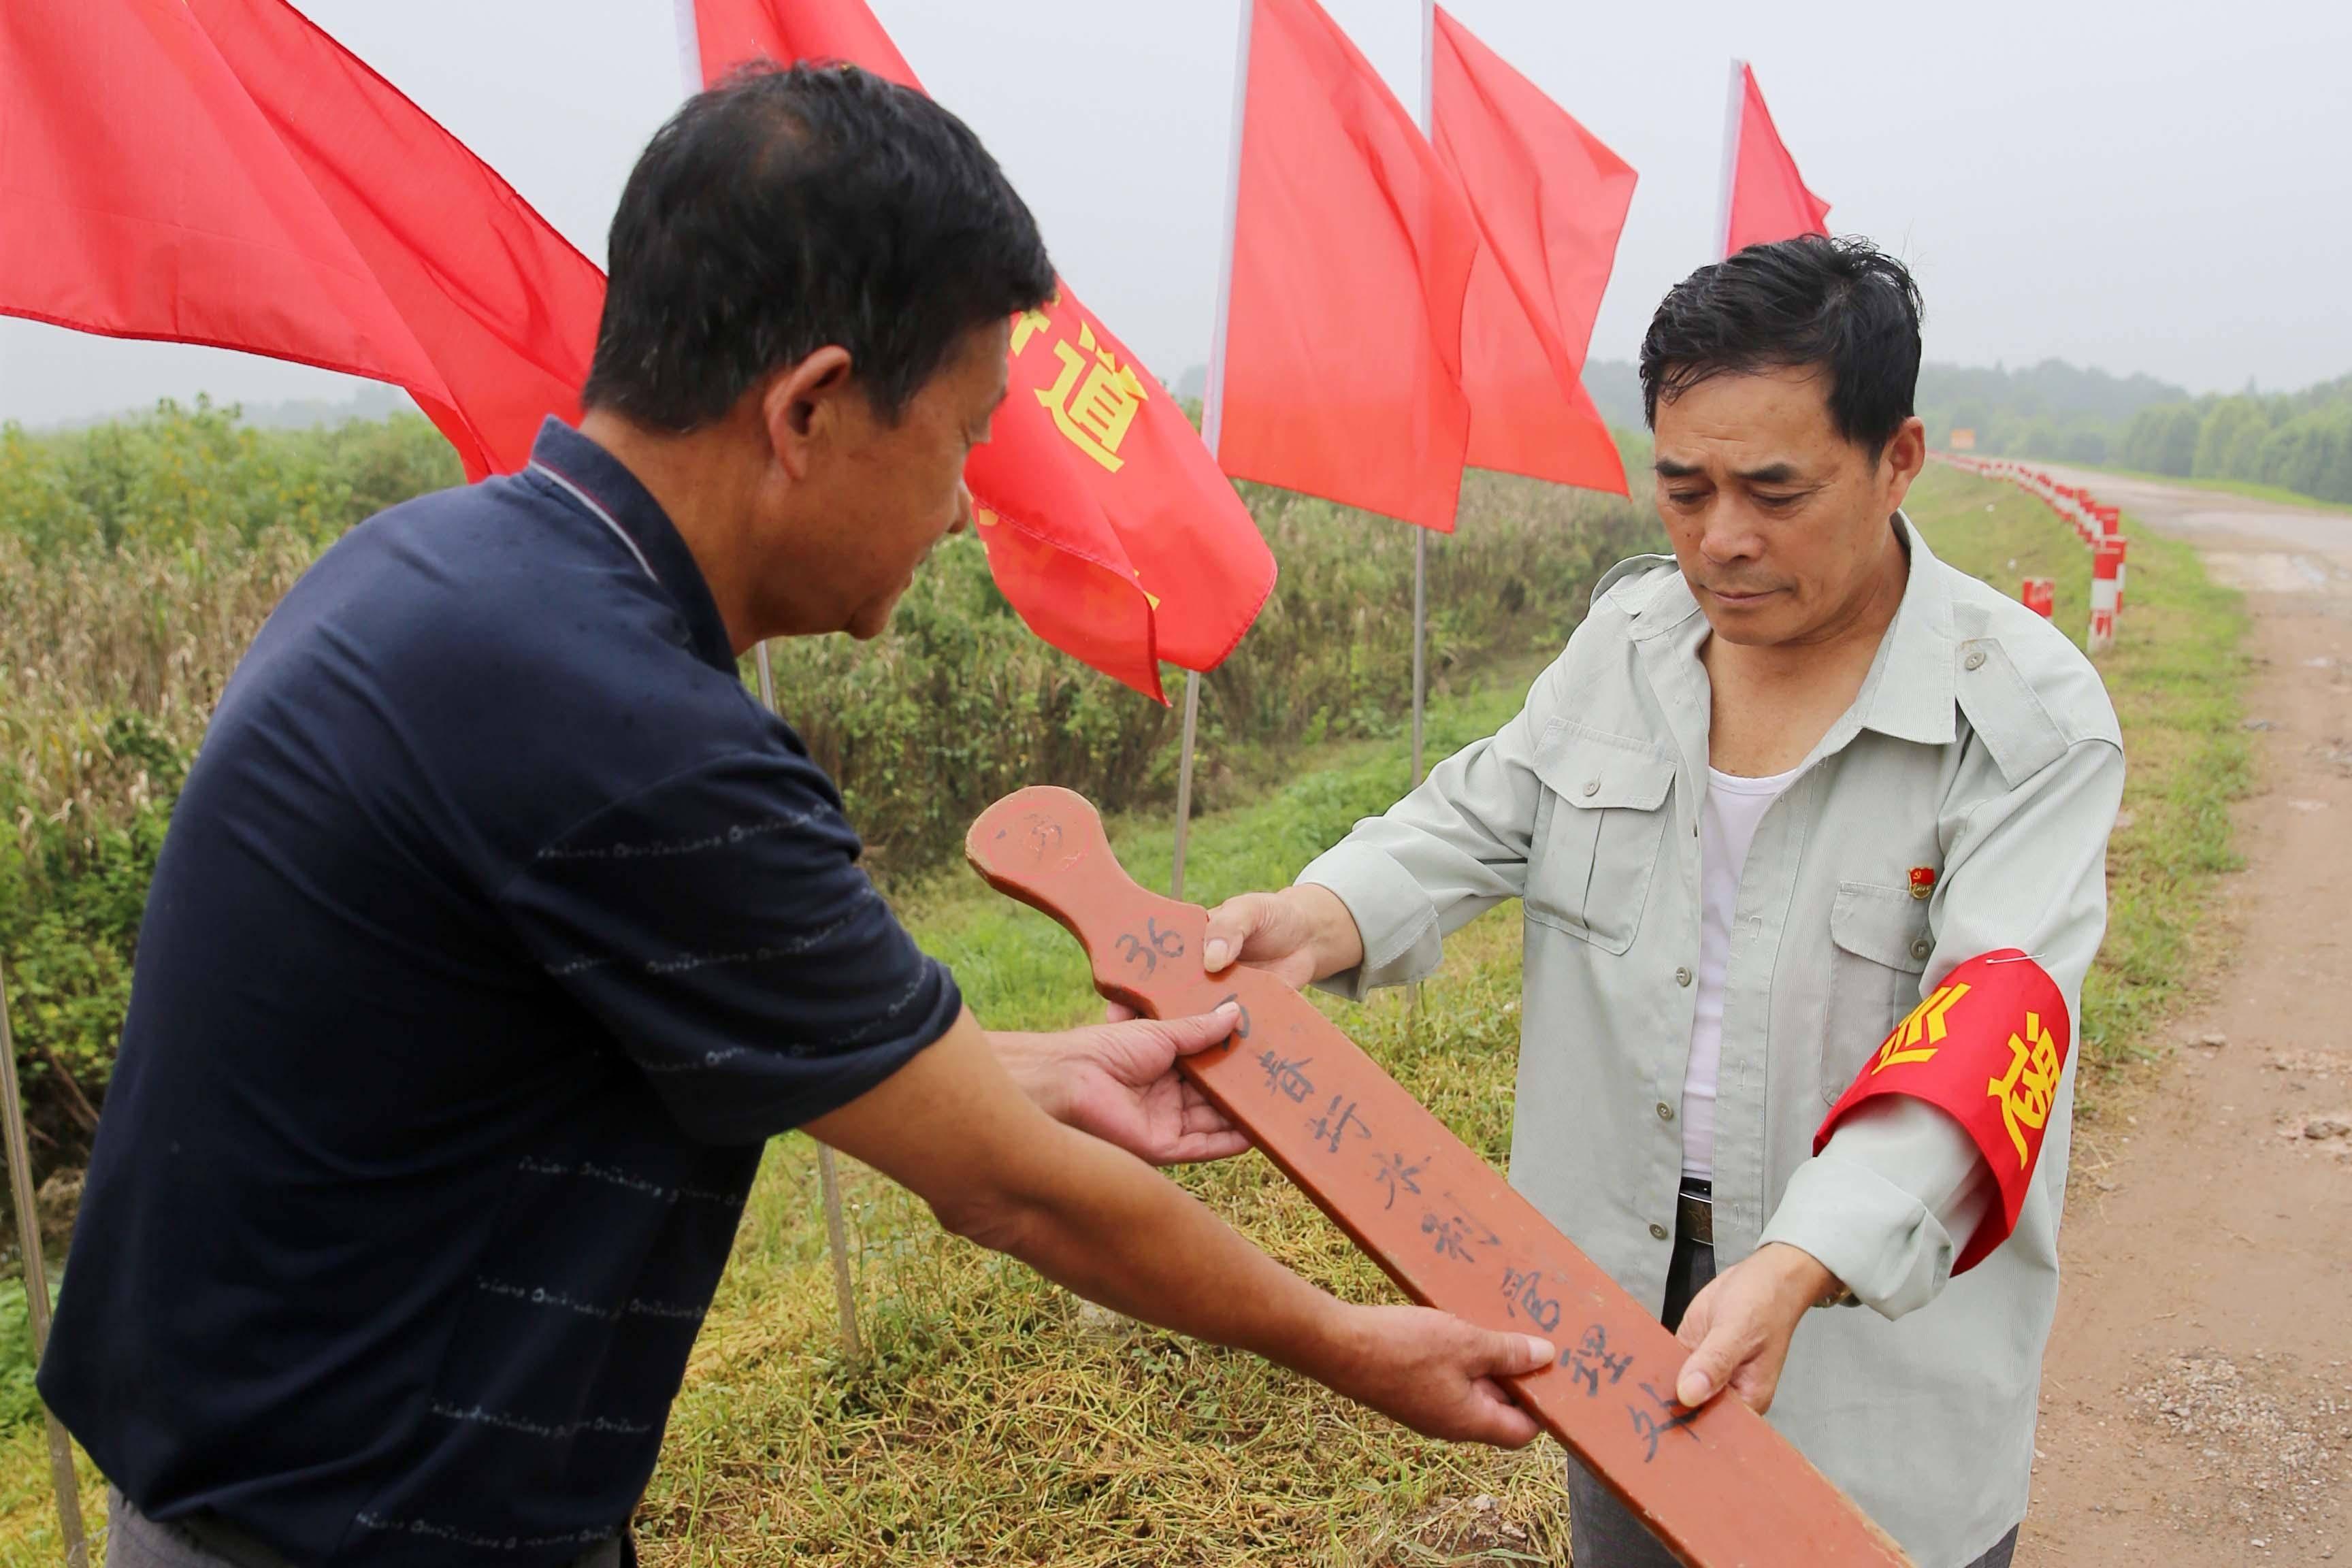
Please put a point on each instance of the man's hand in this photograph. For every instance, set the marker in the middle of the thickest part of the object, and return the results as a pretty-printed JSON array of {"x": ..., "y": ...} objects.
[
  {"x": 1118, "y": 1082},
  {"x": 1298, "y": 935},
  {"x": 1436, "y": 1374},
  {"x": 951, "y": 1126},
  {"x": 1739, "y": 1327}
]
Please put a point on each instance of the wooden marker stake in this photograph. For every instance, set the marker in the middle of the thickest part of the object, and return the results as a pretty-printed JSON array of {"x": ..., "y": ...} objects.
[{"x": 1715, "y": 1484}]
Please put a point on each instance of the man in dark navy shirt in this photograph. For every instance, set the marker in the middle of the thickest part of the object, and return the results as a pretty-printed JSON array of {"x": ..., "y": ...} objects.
[{"x": 498, "y": 927}]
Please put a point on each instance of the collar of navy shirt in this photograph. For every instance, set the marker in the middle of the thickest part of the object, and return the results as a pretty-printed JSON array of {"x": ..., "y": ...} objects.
[{"x": 572, "y": 470}]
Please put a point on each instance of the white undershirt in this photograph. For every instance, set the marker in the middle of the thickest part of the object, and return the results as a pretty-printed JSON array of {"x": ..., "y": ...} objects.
[
  {"x": 1727, "y": 827},
  {"x": 1954, "y": 1184}
]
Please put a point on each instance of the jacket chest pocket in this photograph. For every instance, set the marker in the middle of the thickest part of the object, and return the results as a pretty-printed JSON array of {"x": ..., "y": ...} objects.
[
  {"x": 1879, "y": 946},
  {"x": 1598, "y": 826}
]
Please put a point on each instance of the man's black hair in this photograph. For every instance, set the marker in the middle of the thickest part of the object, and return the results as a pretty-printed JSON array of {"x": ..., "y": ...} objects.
[
  {"x": 1841, "y": 306},
  {"x": 786, "y": 210}
]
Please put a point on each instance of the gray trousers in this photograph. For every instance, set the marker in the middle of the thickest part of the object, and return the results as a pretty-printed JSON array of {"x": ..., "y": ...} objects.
[
  {"x": 1602, "y": 1533},
  {"x": 134, "y": 1541}
]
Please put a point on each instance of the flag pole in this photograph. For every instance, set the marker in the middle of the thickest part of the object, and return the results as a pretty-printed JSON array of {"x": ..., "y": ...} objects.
[
  {"x": 1420, "y": 534},
  {"x": 36, "y": 1288},
  {"x": 828, "y": 1176},
  {"x": 1733, "y": 104},
  {"x": 1184, "y": 779},
  {"x": 689, "y": 47},
  {"x": 1212, "y": 413}
]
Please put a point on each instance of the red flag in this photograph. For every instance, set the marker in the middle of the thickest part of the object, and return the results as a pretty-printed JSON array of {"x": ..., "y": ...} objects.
[
  {"x": 1352, "y": 250},
  {"x": 1765, "y": 199},
  {"x": 1108, "y": 526},
  {"x": 503, "y": 305},
  {"x": 729, "y": 32},
  {"x": 1550, "y": 200},
  {"x": 147, "y": 198}
]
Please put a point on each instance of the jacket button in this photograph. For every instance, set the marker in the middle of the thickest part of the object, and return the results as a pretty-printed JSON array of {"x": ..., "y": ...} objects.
[
  {"x": 1682, "y": 977},
  {"x": 1975, "y": 659},
  {"x": 1665, "y": 1112},
  {"x": 1922, "y": 948},
  {"x": 1592, "y": 786},
  {"x": 1658, "y": 1231}
]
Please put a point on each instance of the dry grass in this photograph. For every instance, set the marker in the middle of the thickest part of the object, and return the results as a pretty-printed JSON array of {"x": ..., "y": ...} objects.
[
  {"x": 86, "y": 638},
  {"x": 994, "y": 1421}
]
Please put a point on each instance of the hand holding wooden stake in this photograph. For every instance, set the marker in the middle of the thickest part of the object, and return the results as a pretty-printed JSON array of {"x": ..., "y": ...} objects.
[{"x": 1715, "y": 1484}]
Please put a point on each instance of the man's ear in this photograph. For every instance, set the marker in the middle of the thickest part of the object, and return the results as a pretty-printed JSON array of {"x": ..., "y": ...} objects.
[
  {"x": 801, "y": 406},
  {"x": 1906, "y": 454}
]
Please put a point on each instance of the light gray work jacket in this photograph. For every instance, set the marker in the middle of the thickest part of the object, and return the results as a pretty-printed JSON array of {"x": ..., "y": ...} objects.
[{"x": 1982, "y": 747}]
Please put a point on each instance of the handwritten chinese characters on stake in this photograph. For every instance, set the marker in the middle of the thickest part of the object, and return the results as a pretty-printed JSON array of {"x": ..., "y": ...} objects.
[{"x": 1715, "y": 1484}]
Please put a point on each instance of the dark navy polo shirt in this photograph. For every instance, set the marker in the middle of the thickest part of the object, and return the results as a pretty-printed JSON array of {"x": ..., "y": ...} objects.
[{"x": 497, "y": 927}]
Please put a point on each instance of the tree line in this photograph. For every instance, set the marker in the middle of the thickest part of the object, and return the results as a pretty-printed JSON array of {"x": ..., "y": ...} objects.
[{"x": 2300, "y": 441}]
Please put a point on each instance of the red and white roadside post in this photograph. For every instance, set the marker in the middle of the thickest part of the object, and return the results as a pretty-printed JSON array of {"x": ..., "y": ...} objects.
[
  {"x": 2107, "y": 592},
  {"x": 2111, "y": 526},
  {"x": 2039, "y": 594}
]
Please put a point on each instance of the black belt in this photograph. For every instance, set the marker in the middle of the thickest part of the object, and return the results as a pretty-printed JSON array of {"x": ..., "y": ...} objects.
[
  {"x": 1694, "y": 1212},
  {"x": 230, "y": 1544}
]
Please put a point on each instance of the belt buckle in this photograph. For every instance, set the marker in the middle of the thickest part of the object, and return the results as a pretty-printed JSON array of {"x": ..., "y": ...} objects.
[{"x": 1694, "y": 1218}]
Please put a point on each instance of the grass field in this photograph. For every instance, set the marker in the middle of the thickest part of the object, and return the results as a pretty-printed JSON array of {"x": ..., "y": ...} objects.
[{"x": 991, "y": 1420}]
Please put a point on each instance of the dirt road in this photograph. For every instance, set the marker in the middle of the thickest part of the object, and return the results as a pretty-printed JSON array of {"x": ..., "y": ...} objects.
[{"x": 2197, "y": 1403}]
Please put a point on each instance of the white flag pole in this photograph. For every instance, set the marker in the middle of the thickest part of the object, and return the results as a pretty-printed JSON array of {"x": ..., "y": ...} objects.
[
  {"x": 1733, "y": 105},
  {"x": 689, "y": 47},
  {"x": 36, "y": 1289},
  {"x": 1184, "y": 779},
  {"x": 1420, "y": 534},
  {"x": 1212, "y": 413},
  {"x": 828, "y": 1174}
]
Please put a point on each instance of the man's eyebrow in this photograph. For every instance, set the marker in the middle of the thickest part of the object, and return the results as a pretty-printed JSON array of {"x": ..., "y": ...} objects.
[
  {"x": 1667, "y": 468},
  {"x": 1769, "y": 474}
]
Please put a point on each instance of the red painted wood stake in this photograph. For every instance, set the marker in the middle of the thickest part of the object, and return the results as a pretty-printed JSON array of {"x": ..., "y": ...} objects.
[{"x": 1716, "y": 1485}]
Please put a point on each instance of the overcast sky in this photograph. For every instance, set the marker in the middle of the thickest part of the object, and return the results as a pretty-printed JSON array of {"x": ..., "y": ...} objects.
[{"x": 2156, "y": 187}]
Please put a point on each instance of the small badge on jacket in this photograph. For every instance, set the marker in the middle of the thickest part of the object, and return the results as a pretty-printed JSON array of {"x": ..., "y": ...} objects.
[{"x": 1923, "y": 880}]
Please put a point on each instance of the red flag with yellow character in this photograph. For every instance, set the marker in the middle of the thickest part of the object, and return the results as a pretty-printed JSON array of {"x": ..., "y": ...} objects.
[{"x": 1108, "y": 526}]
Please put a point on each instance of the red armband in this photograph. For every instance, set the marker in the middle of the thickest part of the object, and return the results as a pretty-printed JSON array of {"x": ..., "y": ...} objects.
[{"x": 1987, "y": 1048}]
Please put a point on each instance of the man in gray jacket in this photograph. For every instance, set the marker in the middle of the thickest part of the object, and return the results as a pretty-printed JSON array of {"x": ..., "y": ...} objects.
[{"x": 1812, "y": 834}]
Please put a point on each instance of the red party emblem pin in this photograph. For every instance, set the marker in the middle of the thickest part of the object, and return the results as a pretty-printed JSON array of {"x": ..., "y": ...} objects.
[{"x": 1923, "y": 880}]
